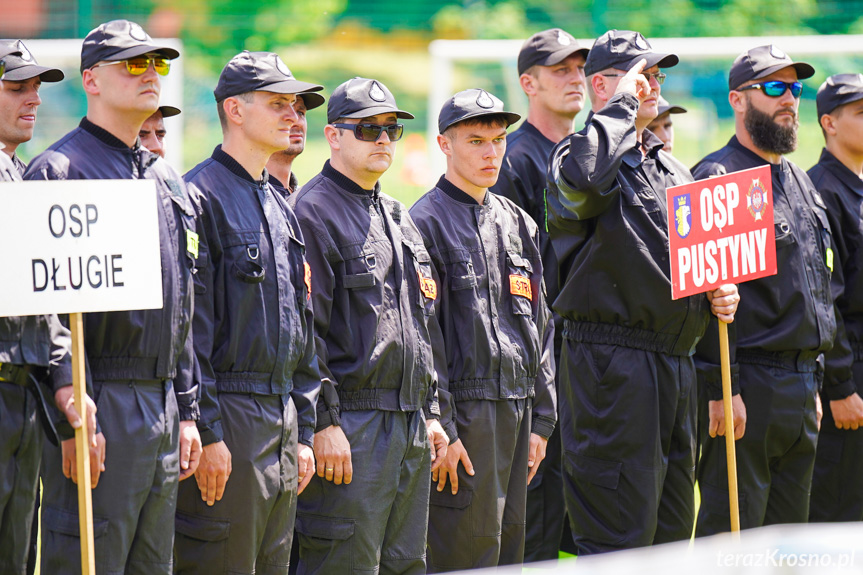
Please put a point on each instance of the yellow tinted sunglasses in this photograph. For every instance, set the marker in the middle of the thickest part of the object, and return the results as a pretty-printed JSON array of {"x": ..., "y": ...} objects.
[{"x": 137, "y": 66}]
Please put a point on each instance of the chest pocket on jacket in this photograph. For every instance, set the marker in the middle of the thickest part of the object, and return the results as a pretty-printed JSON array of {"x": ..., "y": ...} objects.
[
  {"x": 301, "y": 273},
  {"x": 422, "y": 281},
  {"x": 784, "y": 235},
  {"x": 359, "y": 267},
  {"x": 244, "y": 257},
  {"x": 642, "y": 220},
  {"x": 823, "y": 230},
  {"x": 459, "y": 269},
  {"x": 519, "y": 284}
]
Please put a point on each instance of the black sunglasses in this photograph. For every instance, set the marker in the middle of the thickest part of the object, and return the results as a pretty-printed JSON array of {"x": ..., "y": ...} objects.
[
  {"x": 371, "y": 132},
  {"x": 775, "y": 88},
  {"x": 660, "y": 76}
]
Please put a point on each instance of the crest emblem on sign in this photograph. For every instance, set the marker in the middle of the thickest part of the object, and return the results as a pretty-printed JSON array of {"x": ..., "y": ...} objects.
[
  {"x": 484, "y": 100},
  {"x": 136, "y": 32},
  {"x": 283, "y": 68},
  {"x": 777, "y": 53},
  {"x": 683, "y": 215},
  {"x": 563, "y": 39},
  {"x": 25, "y": 53},
  {"x": 376, "y": 93},
  {"x": 641, "y": 43},
  {"x": 756, "y": 199}
]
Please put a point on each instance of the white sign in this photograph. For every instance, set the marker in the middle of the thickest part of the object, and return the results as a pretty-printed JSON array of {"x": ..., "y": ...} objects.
[{"x": 79, "y": 246}]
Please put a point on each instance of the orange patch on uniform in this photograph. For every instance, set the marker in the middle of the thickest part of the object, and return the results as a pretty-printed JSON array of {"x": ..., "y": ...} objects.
[
  {"x": 520, "y": 285},
  {"x": 428, "y": 286},
  {"x": 308, "y": 279}
]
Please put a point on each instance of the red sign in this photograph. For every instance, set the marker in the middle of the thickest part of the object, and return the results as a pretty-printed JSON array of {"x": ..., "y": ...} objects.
[{"x": 720, "y": 231}]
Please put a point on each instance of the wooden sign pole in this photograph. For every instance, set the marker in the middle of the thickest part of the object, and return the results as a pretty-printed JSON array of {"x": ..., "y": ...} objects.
[
  {"x": 730, "y": 450},
  {"x": 82, "y": 447}
]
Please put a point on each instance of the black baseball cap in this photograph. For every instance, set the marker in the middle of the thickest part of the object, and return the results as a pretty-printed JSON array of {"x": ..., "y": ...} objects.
[
  {"x": 119, "y": 40},
  {"x": 168, "y": 111},
  {"x": 361, "y": 98},
  {"x": 623, "y": 49},
  {"x": 23, "y": 66},
  {"x": 258, "y": 71},
  {"x": 472, "y": 103},
  {"x": 548, "y": 48},
  {"x": 763, "y": 61},
  {"x": 663, "y": 106},
  {"x": 838, "y": 90},
  {"x": 312, "y": 100}
]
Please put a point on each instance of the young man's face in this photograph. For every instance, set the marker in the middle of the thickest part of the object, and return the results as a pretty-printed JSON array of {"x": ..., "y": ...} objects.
[
  {"x": 18, "y": 103},
  {"x": 365, "y": 157},
  {"x": 663, "y": 128},
  {"x": 268, "y": 120},
  {"x": 848, "y": 122},
  {"x": 560, "y": 88},
  {"x": 122, "y": 91},
  {"x": 152, "y": 134},
  {"x": 475, "y": 152}
]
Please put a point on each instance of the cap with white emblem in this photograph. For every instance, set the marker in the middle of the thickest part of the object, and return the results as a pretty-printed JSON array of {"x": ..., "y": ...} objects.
[
  {"x": 361, "y": 98},
  {"x": 472, "y": 103}
]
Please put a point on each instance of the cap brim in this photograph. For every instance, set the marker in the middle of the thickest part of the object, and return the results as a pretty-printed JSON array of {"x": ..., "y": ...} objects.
[
  {"x": 312, "y": 100},
  {"x": 654, "y": 59},
  {"x": 671, "y": 110},
  {"x": 290, "y": 87},
  {"x": 26, "y": 72},
  {"x": 562, "y": 55},
  {"x": 511, "y": 118},
  {"x": 169, "y": 111},
  {"x": 803, "y": 69},
  {"x": 375, "y": 110},
  {"x": 142, "y": 49}
]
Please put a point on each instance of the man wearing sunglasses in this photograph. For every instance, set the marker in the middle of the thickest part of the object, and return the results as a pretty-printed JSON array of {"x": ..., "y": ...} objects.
[
  {"x": 253, "y": 335},
  {"x": 627, "y": 399},
  {"x": 141, "y": 361},
  {"x": 551, "y": 74},
  {"x": 496, "y": 390},
  {"x": 282, "y": 178},
  {"x": 777, "y": 345},
  {"x": 837, "y": 491},
  {"x": 373, "y": 293}
]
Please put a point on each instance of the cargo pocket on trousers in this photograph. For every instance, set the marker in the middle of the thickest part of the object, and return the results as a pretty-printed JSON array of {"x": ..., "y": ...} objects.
[
  {"x": 199, "y": 541},
  {"x": 597, "y": 510},
  {"x": 715, "y": 510},
  {"x": 61, "y": 534},
  {"x": 66, "y": 523},
  {"x": 451, "y": 528},
  {"x": 326, "y": 539}
]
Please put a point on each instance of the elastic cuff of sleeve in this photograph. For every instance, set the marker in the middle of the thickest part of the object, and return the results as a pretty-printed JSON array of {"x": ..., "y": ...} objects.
[
  {"x": 210, "y": 435},
  {"x": 64, "y": 430},
  {"x": 189, "y": 412},
  {"x": 307, "y": 436},
  {"x": 451, "y": 432},
  {"x": 61, "y": 376},
  {"x": 840, "y": 390},
  {"x": 543, "y": 426},
  {"x": 328, "y": 418},
  {"x": 431, "y": 413}
]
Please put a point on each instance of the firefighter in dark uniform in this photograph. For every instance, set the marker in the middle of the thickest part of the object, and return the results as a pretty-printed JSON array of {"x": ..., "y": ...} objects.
[
  {"x": 551, "y": 73},
  {"x": 788, "y": 321},
  {"x": 254, "y": 339},
  {"x": 282, "y": 177},
  {"x": 627, "y": 410},
  {"x": 141, "y": 361},
  {"x": 837, "y": 489},
  {"x": 19, "y": 101},
  {"x": 32, "y": 348},
  {"x": 152, "y": 133},
  {"x": 373, "y": 294},
  {"x": 497, "y": 397}
]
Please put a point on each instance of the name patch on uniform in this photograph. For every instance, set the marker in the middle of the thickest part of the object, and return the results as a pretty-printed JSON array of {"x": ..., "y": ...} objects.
[
  {"x": 520, "y": 285},
  {"x": 428, "y": 286},
  {"x": 192, "y": 243},
  {"x": 308, "y": 269}
]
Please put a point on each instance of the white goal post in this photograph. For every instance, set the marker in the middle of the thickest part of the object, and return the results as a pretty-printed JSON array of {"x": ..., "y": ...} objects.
[{"x": 445, "y": 54}]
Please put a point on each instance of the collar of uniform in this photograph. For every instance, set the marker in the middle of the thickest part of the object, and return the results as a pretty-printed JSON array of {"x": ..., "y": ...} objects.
[
  {"x": 841, "y": 171},
  {"x": 348, "y": 184},
  {"x": 104, "y": 135},
  {"x": 277, "y": 185},
  {"x": 652, "y": 144},
  {"x": 235, "y": 168},
  {"x": 535, "y": 131},
  {"x": 456, "y": 193},
  {"x": 759, "y": 161},
  {"x": 19, "y": 163}
]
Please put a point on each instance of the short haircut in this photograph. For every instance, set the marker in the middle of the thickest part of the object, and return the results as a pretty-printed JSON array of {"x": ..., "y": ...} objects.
[
  {"x": 247, "y": 97},
  {"x": 486, "y": 121}
]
